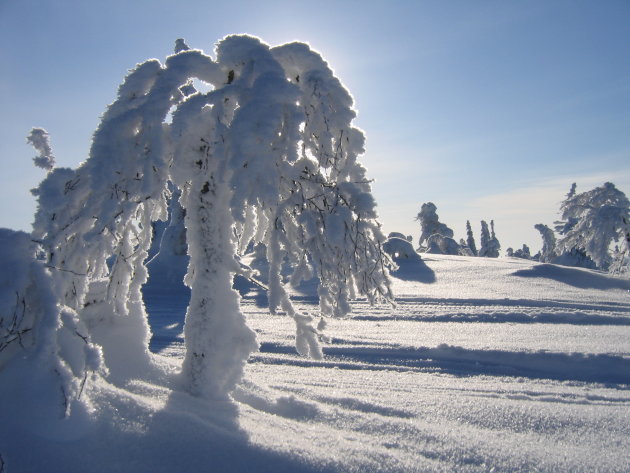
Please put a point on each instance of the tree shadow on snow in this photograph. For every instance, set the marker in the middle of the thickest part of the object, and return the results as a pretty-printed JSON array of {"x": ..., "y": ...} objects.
[
  {"x": 186, "y": 434},
  {"x": 458, "y": 361},
  {"x": 576, "y": 277},
  {"x": 413, "y": 269},
  {"x": 247, "y": 289},
  {"x": 196, "y": 435}
]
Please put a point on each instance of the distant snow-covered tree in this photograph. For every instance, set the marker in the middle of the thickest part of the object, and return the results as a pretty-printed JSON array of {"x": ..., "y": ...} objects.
[
  {"x": 621, "y": 256},
  {"x": 484, "y": 239},
  {"x": 495, "y": 246},
  {"x": 470, "y": 239},
  {"x": 592, "y": 221},
  {"x": 548, "y": 252},
  {"x": 574, "y": 256},
  {"x": 562, "y": 227},
  {"x": 430, "y": 224},
  {"x": 490, "y": 245},
  {"x": 523, "y": 253},
  {"x": 269, "y": 155},
  {"x": 463, "y": 248}
]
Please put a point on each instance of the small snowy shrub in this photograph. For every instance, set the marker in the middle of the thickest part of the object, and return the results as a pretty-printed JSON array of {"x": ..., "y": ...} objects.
[
  {"x": 442, "y": 245},
  {"x": 43, "y": 339},
  {"x": 523, "y": 253},
  {"x": 269, "y": 155},
  {"x": 400, "y": 248}
]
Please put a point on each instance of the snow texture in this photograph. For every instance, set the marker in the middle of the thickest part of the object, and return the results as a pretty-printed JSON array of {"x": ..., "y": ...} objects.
[{"x": 497, "y": 365}]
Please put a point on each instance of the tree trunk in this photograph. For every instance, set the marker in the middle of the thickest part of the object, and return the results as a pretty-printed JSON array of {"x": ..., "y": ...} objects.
[{"x": 218, "y": 341}]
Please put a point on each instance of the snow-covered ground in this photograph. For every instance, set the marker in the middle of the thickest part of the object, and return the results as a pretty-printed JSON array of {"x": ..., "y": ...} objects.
[{"x": 484, "y": 365}]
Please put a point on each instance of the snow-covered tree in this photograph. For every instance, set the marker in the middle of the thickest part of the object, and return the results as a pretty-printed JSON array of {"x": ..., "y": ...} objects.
[
  {"x": 548, "y": 252},
  {"x": 463, "y": 248},
  {"x": 495, "y": 246},
  {"x": 591, "y": 221},
  {"x": 470, "y": 239},
  {"x": 562, "y": 227},
  {"x": 621, "y": 256},
  {"x": 430, "y": 224},
  {"x": 269, "y": 155},
  {"x": 523, "y": 253},
  {"x": 484, "y": 239},
  {"x": 490, "y": 245}
]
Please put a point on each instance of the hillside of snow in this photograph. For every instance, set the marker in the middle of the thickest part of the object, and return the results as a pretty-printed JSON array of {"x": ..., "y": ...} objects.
[{"x": 484, "y": 365}]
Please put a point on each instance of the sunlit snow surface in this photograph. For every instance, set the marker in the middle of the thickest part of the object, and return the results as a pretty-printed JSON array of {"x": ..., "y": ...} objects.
[{"x": 483, "y": 365}]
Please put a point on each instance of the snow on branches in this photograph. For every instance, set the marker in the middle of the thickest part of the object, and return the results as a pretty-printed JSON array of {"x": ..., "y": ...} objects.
[
  {"x": 269, "y": 155},
  {"x": 592, "y": 220},
  {"x": 39, "y": 139}
]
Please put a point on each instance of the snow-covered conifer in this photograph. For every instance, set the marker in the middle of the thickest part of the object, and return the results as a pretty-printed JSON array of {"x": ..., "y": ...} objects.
[
  {"x": 563, "y": 227},
  {"x": 430, "y": 223},
  {"x": 548, "y": 252},
  {"x": 494, "y": 246},
  {"x": 484, "y": 240},
  {"x": 592, "y": 221},
  {"x": 490, "y": 245},
  {"x": 470, "y": 239},
  {"x": 621, "y": 256}
]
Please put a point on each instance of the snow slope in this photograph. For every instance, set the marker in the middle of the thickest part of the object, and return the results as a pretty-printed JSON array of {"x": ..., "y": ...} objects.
[{"x": 484, "y": 365}]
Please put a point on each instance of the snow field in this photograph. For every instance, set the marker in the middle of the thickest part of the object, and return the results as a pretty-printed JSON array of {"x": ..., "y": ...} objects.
[
  {"x": 453, "y": 379},
  {"x": 535, "y": 382}
]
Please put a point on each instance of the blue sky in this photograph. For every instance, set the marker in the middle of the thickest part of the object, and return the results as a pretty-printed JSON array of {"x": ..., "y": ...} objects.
[{"x": 489, "y": 109}]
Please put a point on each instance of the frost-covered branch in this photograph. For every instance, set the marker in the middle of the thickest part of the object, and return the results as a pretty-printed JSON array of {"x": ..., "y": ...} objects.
[{"x": 39, "y": 139}]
